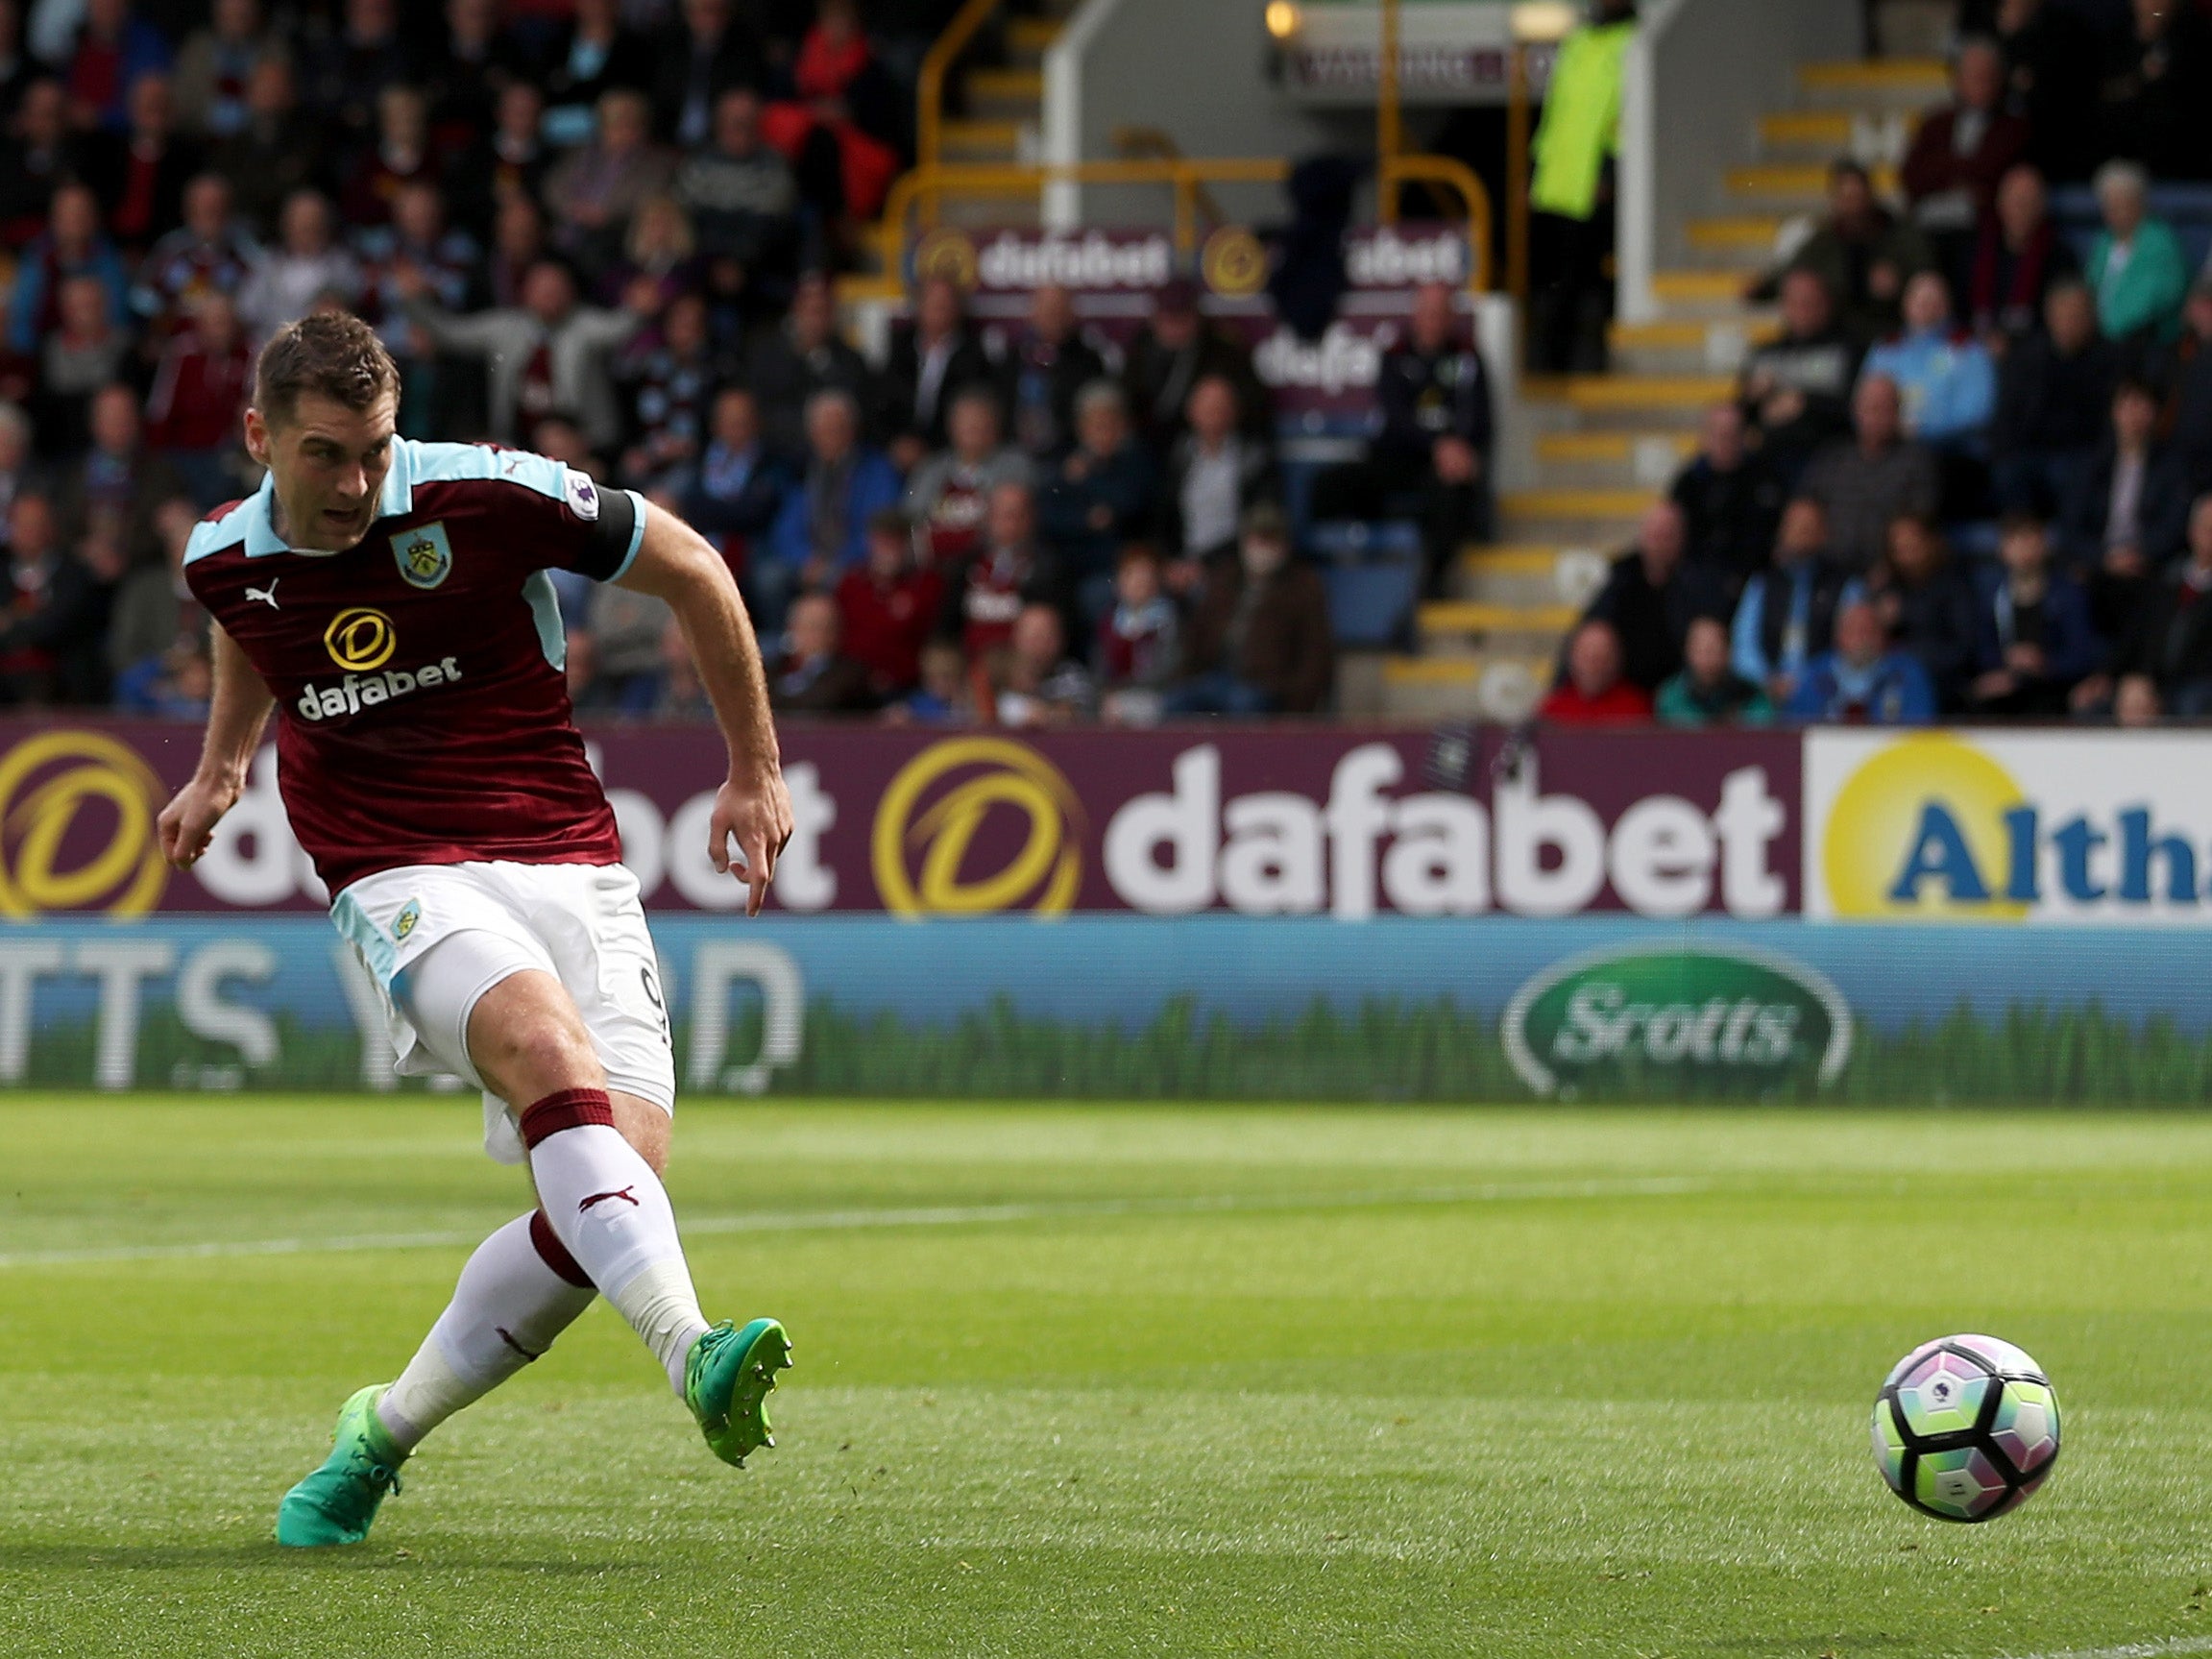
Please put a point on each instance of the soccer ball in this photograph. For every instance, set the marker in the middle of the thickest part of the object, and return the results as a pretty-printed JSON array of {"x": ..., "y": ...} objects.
[{"x": 1966, "y": 1428}]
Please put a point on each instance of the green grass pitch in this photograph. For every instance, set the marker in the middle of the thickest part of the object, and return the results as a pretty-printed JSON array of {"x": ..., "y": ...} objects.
[{"x": 1144, "y": 1380}]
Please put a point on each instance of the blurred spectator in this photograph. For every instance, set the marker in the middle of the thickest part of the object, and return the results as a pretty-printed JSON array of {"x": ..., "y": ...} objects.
[
  {"x": 140, "y": 172},
  {"x": 1592, "y": 691},
  {"x": 593, "y": 191},
  {"x": 548, "y": 353},
  {"x": 2170, "y": 639},
  {"x": 1863, "y": 254},
  {"x": 2053, "y": 397},
  {"x": 1044, "y": 367},
  {"x": 155, "y": 623},
  {"x": 594, "y": 55},
  {"x": 83, "y": 352},
  {"x": 737, "y": 490},
  {"x": 1438, "y": 428},
  {"x": 1731, "y": 500},
  {"x": 14, "y": 462},
  {"x": 1139, "y": 641},
  {"x": 2052, "y": 64},
  {"x": 70, "y": 246},
  {"x": 744, "y": 204},
  {"x": 845, "y": 108},
  {"x": 932, "y": 361},
  {"x": 658, "y": 250},
  {"x": 949, "y": 492},
  {"x": 110, "y": 51},
  {"x": 1005, "y": 571},
  {"x": 2157, "y": 86},
  {"x": 114, "y": 489},
  {"x": 1796, "y": 389},
  {"x": 1861, "y": 681},
  {"x": 1652, "y": 596},
  {"x": 1039, "y": 684},
  {"x": 517, "y": 243},
  {"x": 1216, "y": 475},
  {"x": 508, "y": 163},
  {"x": 1787, "y": 614},
  {"x": 683, "y": 696},
  {"x": 400, "y": 155},
  {"x": 2135, "y": 704},
  {"x": 823, "y": 528},
  {"x": 288, "y": 279},
  {"x": 698, "y": 60},
  {"x": 2034, "y": 641},
  {"x": 275, "y": 153},
  {"x": 665, "y": 390},
  {"x": 803, "y": 356},
  {"x": 2018, "y": 259},
  {"x": 215, "y": 65},
  {"x": 626, "y": 629},
  {"x": 200, "y": 386},
  {"x": 946, "y": 696},
  {"x": 39, "y": 156},
  {"x": 1927, "y": 604},
  {"x": 2193, "y": 394},
  {"x": 1260, "y": 640},
  {"x": 890, "y": 606},
  {"x": 1949, "y": 174},
  {"x": 343, "y": 74},
  {"x": 446, "y": 260},
  {"x": 1871, "y": 481},
  {"x": 52, "y": 629},
  {"x": 207, "y": 254},
  {"x": 1176, "y": 350},
  {"x": 465, "y": 80},
  {"x": 1101, "y": 495},
  {"x": 1945, "y": 380},
  {"x": 2136, "y": 268},
  {"x": 812, "y": 675},
  {"x": 1708, "y": 692},
  {"x": 2128, "y": 512}
]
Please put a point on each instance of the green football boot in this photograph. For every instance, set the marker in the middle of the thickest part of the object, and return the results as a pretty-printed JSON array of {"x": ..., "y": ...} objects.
[
  {"x": 337, "y": 1504},
  {"x": 727, "y": 1376}
]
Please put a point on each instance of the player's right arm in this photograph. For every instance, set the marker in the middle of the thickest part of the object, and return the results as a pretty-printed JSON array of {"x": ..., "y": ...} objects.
[{"x": 236, "y": 711}]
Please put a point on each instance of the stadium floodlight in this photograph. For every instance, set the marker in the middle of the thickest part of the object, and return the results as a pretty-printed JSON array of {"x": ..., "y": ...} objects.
[
  {"x": 1542, "y": 22},
  {"x": 1283, "y": 19}
]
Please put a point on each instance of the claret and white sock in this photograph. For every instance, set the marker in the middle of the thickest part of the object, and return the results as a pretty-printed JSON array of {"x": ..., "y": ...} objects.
[
  {"x": 610, "y": 1210},
  {"x": 519, "y": 1291}
]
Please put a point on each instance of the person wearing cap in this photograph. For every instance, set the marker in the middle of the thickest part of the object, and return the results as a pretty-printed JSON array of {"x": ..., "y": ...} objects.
[
  {"x": 1178, "y": 348},
  {"x": 1260, "y": 641}
]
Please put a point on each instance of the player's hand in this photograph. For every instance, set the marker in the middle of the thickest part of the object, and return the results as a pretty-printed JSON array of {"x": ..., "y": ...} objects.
[
  {"x": 757, "y": 812},
  {"x": 190, "y": 818}
]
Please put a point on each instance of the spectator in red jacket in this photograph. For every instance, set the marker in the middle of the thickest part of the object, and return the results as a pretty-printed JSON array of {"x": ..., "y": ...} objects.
[
  {"x": 890, "y": 606},
  {"x": 199, "y": 387},
  {"x": 1951, "y": 174},
  {"x": 1593, "y": 693}
]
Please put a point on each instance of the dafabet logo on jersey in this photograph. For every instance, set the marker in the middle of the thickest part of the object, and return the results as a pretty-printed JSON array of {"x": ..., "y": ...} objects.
[
  {"x": 2042, "y": 827},
  {"x": 362, "y": 640}
]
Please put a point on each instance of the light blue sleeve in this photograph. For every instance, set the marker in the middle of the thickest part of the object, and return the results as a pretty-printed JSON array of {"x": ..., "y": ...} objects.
[{"x": 1747, "y": 653}]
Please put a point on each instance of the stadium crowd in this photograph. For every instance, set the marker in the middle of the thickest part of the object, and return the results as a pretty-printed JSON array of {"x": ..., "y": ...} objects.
[{"x": 1971, "y": 473}]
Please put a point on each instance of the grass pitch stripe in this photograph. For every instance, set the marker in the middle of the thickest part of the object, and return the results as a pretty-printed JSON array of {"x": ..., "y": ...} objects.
[
  {"x": 942, "y": 1215},
  {"x": 2134, "y": 1650}
]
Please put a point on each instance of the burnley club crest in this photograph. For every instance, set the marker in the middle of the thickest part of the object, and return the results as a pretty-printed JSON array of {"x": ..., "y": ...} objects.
[{"x": 425, "y": 557}]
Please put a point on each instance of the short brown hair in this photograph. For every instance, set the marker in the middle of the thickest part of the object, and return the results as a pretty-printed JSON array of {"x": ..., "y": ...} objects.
[{"x": 335, "y": 356}]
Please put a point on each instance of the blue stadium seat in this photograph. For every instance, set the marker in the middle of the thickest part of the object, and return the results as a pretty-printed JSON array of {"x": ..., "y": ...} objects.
[
  {"x": 1352, "y": 541},
  {"x": 1370, "y": 606}
]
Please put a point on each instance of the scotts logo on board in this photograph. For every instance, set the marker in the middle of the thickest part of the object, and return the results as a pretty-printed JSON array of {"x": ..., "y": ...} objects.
[{"x": 1734, "y": 1021}]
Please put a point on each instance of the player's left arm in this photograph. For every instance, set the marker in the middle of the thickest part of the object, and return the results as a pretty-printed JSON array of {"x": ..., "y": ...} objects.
[{"x": 677, "y": 565}]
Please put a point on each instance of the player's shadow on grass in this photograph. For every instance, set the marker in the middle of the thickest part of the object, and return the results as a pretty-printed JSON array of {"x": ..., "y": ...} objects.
[{"x": 264, "y": 1554}]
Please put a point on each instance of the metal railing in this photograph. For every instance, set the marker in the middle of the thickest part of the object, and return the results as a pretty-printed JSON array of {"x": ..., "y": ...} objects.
[
  {"x": 925, "y": 186},
  {"x": 936, "y": 64}
]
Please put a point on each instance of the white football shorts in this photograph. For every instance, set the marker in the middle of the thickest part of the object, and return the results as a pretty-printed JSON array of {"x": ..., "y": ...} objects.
[{"x": 435, "y": 937}]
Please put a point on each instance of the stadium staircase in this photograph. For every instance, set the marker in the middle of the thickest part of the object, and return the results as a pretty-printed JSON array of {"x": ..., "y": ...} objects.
[
  {"x": 1607, "y": 445},
  {"x": 1002, "y": 113}
]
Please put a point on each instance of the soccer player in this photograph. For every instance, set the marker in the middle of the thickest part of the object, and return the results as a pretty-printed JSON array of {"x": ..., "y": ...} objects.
[{"x": 389, "y": 599}]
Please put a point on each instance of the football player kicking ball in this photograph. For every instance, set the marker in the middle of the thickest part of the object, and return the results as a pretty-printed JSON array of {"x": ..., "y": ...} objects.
[{"x": 390, "y": 600}]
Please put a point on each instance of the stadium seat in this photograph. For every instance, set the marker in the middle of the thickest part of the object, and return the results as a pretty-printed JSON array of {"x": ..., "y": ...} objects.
[
  {"x": 1370, "y": 606},
  {"x": 1354, "y": 540}
]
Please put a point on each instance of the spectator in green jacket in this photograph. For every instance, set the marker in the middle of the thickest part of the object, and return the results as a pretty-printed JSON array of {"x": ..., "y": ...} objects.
[
  {"x": 1571, "y": 194},
  {"x": 2136, "y": 270},
  {"x": 1708, "y": 692}
]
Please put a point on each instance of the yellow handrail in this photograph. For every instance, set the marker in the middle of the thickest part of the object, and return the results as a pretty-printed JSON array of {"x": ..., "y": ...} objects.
[
  {"x": 937, "y": 63},
  {"x": 924, "y": 186}
]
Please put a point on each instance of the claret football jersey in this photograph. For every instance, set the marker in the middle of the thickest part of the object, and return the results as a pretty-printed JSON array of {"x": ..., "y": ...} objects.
[{"x": 422, "y": 710}]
